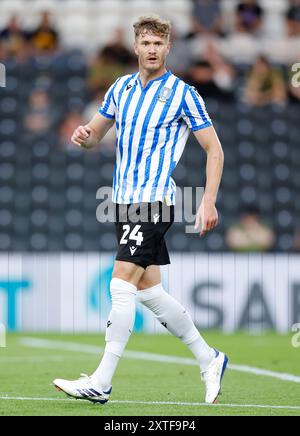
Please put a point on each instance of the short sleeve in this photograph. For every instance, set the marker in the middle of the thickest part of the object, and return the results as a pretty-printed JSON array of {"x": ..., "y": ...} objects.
[
  {"x": 108, "y": 107},
  {"x": 194, "y": 111}
]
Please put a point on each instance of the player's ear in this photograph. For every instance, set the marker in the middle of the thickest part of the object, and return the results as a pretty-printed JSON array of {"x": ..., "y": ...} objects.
[
  {"x": 168, "y": 47},
  {"x": 135, "y": 47}
]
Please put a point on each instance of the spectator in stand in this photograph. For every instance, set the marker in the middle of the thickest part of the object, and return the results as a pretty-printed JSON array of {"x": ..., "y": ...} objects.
[
  {"x": 202, "y": 76},
  {"x": 293, "y": 18},
  {"x": 206, "y": 18},
  {"x": 44, "y": 38},
  {"x": 180, "y": 50},
  {"x": 296, "y": 240},
  {"x": 250, "y": 234},
  {"x": 294, "y": 85},
  {"x": 112, "y": 61},
  {"x": 249, "y": 17},
  {"x": 39, "y": 115},
  {"x": 104, "y": 70},
  {"x": 72, "y": 120},
  {"x": 265, "y": 85},
  {"x": 93, "y": 106},
  {"x": 224, "y": 72},
  {"x": 2, "y": 53},
  {"x": 119, "y": 52},
  {"x": 13, "y": 38}
]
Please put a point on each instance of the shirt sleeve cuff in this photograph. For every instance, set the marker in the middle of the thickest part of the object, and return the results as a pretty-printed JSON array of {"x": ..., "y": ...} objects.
[
  {"x": 111, "y": 117},
  {"x": 203, "y": 126}
]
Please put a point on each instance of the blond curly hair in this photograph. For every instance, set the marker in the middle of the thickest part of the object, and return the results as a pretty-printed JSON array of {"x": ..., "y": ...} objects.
[{"x": 152, "y": 24}]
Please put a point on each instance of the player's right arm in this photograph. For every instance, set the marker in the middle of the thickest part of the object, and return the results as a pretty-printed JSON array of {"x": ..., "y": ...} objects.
[{"x": 91, "y": 134}]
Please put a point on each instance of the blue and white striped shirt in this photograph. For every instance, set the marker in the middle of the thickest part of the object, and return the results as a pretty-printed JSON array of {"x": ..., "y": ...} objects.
[{"x": 153, "y": 125}]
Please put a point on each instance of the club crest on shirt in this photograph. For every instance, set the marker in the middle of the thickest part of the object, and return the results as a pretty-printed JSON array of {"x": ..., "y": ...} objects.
[{"x": 164, "y": 94}]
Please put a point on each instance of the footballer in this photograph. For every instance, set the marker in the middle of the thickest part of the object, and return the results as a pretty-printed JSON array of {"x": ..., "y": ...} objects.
[{"x": 153, "y": 112}]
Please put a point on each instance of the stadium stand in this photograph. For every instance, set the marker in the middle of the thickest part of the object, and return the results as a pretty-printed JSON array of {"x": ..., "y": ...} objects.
[{"x": 48, "y": 189}]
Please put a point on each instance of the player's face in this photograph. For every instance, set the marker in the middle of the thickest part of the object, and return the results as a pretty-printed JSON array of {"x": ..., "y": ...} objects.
[{"x": 152, "y": 51}]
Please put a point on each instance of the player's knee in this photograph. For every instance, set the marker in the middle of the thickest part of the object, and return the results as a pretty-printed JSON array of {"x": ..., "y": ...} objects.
[
  {"x": 128, "y": 272},
  {"x": 146, "y": 283},
  {"x": 122, "y": 290},
  {"x": 151, "y": 277}
]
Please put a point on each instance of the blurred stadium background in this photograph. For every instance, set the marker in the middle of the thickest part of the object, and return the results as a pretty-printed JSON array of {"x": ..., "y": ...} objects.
[{"x": 56, "y": 259}]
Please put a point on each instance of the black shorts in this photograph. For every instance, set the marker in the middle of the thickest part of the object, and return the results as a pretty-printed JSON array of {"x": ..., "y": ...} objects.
[{"x": 140, "y": 229}]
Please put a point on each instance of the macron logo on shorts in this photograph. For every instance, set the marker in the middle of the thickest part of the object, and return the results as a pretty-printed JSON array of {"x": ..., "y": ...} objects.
[
  {"x": 132, "y": 250},
  {"x": 156, "y": 218}
]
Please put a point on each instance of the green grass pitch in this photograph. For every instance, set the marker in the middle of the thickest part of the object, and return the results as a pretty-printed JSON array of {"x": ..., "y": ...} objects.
[{"x": 27, "y": 374}]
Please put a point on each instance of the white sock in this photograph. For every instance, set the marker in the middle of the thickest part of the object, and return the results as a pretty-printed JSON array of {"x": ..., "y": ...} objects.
[
  {"x": 102, "y": 377},
  {"x": 203, "y": 353},
  {"x": 170, "y": 313},
  {"x": 119, "y": 328}
]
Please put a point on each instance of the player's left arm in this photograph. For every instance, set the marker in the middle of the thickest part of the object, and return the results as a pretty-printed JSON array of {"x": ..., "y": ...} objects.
[{"x": 207, "y": 214}]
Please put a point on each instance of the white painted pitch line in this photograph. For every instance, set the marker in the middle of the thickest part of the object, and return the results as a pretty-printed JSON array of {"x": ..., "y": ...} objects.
[
  {"x": 257, "y": 371},
  {"x": 157, "y": 403},
  {"x": 259, "y": 406},
  {"x": 137, "y": 355}
]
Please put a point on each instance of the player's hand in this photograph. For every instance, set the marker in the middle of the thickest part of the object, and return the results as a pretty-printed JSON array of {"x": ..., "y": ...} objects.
[
  {"x": 81, "y": 135},
  {"x": 206, "y": 217}
]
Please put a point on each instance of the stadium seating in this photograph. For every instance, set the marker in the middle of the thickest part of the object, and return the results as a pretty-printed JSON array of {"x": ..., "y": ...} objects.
[{"x": 48, "y": 194}]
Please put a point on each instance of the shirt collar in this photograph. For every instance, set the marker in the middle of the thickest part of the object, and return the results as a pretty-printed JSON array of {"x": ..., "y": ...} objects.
[{"x": 163, "y": 77}]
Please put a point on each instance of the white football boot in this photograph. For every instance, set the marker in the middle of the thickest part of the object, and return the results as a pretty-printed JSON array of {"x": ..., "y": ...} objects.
[
  {"x": 83, "y": 389},
  {"x": 213, "y": 377}
]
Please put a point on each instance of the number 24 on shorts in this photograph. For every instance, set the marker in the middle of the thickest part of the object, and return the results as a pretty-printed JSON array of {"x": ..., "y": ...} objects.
[{"x": 135, "y": 235}]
